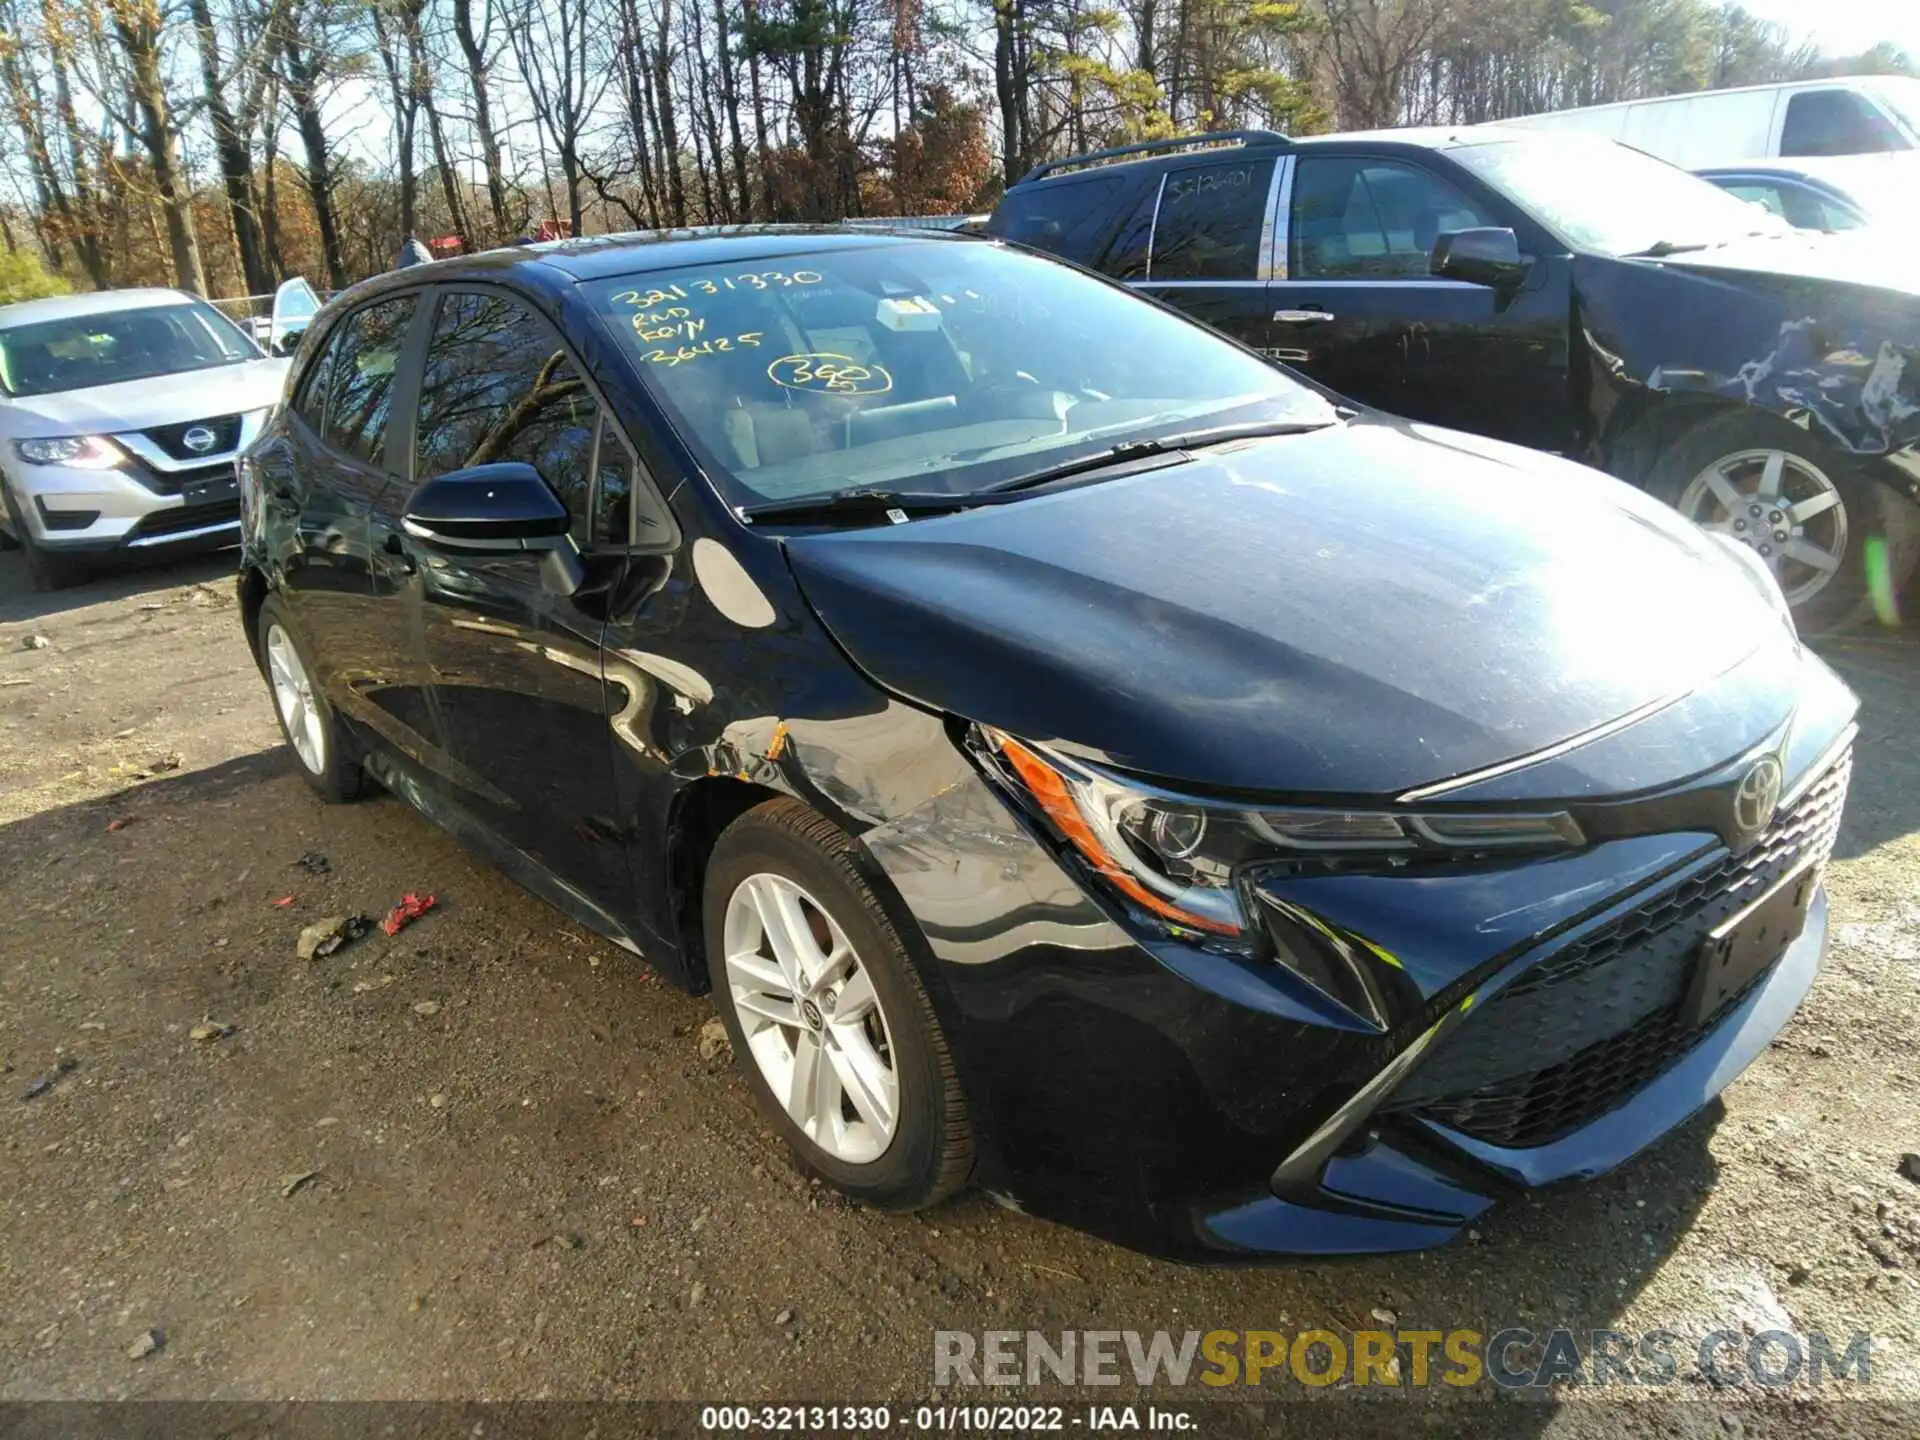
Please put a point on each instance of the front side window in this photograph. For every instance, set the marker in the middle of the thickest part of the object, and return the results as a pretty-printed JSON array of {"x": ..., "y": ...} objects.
[
  {"x": 936, "y": 367},
  {"x": 364, "y": 354},
  {"x": 1836, "y": 122},
  {"x": 1358, "y": 219},
  {"x": 497, "y": 385},
  {"x": 82, "y": 351},
  {"x": 1210, "y": 222}
]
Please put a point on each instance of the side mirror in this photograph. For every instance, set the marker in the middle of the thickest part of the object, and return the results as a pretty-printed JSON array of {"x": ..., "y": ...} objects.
[
  {"x": 1483, "y": 256},
  {"x": 499, "y": 509}
]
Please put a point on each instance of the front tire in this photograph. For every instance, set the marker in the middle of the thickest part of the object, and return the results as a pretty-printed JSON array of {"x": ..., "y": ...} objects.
[
  {"x": 312, "y": 732},
  {"x": 48, "y": 569},
  {"x": 1806, "y": 508},
  {"x": 828, "y": 1018}
]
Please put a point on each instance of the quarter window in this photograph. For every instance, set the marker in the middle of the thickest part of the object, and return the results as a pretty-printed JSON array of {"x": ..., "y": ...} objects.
[
  {"x": 360, "y": 369},
  {"x": 1358, "y": 219},
  {"x": 1210, "y": 222},
  {"x": 1065, "y": 217}
]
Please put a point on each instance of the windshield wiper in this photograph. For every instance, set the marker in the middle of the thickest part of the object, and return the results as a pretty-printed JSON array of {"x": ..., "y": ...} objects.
[
  {"x": 1660, "y": 249},
  {"x": 864, "y": 503},
  {"x": 858, "y": 503},
  {"x": 1128, "y": 450}
]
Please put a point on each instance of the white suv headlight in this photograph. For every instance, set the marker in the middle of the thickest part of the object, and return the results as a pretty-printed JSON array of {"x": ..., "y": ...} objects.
[{"x": 81, "y": 452}]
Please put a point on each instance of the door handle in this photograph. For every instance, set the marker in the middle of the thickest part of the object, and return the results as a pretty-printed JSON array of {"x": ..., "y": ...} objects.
[{"x": 1302, "y": 317}]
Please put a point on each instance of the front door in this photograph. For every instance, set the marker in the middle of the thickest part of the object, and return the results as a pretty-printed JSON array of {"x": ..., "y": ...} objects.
[
  {"x": 1358, "y": 310},
  {"x": 521, "y": 711}
]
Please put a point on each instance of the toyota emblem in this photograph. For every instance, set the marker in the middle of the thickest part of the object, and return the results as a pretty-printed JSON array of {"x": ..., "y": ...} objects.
[
  {"x": 199, "y": 439},
  {"x": 1755, "y": 798}
]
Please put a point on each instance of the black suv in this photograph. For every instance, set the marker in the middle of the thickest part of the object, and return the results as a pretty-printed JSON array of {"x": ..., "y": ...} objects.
[{"x": 1569, "y": 294}]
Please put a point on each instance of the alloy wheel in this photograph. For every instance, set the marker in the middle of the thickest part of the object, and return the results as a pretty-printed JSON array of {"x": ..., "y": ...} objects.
[
  {"x": 811, "y": 1018},
  {"x": 1781, "y": 506},
  {"x": 293, "y": 694}
]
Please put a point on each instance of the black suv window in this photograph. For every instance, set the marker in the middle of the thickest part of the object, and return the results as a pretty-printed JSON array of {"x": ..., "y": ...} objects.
[
  {"x": 1068, "y": 217},
  {"x": 1834, "y": 122},
  {"x": 1210, "y": 221},
  {"x": 312, "y": 404},
  {"x": 497, "y": 384},
  {"x": 360, "y": 365},
  {"x": 1359, "y": 219}
]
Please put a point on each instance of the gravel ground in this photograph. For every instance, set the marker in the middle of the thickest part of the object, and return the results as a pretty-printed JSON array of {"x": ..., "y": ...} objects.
[{"x": 487, "y": 1158}]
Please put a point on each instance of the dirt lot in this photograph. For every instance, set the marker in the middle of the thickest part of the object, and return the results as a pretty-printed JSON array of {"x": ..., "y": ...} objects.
[{"x": 486, "y": 1158}]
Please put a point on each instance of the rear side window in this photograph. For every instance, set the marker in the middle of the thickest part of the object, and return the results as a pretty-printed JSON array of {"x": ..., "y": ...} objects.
[
  {"x": 312, "y": 404},
  {"x": 1210, "y": 222},
  {"x": 1359, "y": 219},
  {"x": 1835, "y": 122},
  {"x": 1800, "y": 207},
  {"x": 1067, "y": 218},
  {"x": 497, "y": 385},
  {"x": 362, "y": 359}
]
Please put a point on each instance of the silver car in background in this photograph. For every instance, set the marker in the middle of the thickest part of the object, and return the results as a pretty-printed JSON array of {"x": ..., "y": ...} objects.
[{"x": 120, "y": 416}]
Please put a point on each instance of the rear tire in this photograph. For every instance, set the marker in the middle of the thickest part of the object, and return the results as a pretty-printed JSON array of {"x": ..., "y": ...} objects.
[
  {"x": 313, "y": 733},
  {"x": 1817, "y": 519},
  {"x": 877, "y": 1110}
]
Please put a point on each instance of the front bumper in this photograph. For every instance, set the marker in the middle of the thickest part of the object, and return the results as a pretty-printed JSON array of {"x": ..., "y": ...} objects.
[
  {"x": 101, "y": 512},
  {"x": 155, "y": 500},
  {"x": 1192, "y": 1103}
]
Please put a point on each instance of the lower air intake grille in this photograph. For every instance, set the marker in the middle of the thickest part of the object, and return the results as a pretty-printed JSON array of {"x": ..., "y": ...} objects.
[{"x": 1591, "y": 1023}]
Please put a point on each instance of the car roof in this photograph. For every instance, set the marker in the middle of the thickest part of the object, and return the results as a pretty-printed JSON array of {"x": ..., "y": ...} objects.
[
  {"x": 1422, "y": 137},
  {"x": 96, "y": 302},
  {"x": 553, "y": 266}
]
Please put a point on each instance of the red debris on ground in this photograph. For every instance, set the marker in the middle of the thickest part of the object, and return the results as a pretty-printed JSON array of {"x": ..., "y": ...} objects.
[
  {"x": 283, "y": 902},
  {"x": 410, "y": 908},
  {"x": 122, "y": 822}
]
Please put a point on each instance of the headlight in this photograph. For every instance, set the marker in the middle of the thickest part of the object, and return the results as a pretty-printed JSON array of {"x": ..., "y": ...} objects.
[
  {"x": 1181, "y": 859},
  {"x": 82, "y": 452}
]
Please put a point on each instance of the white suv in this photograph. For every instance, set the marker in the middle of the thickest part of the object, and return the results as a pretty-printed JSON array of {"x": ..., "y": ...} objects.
[{"x": 120, "y": 416}]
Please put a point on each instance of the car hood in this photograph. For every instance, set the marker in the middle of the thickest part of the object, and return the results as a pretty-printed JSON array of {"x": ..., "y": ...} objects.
[
  {"x": 142, "y": 404},
  {"x": 1862, "y": 257},
  {"x": 1356, "y": 611}
]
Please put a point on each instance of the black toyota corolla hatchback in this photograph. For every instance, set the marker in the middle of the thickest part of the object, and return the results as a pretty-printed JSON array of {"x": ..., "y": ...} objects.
[{"x": 1077, "y": 754}]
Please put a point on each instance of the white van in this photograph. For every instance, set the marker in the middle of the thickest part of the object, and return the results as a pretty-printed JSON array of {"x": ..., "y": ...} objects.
[{"x": 1853, "y": 115}]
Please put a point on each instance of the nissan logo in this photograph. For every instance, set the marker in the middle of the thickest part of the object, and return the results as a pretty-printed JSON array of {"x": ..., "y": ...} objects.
[
  {"x": 199, "y": 439},
  {"x": 1755, "y": 798}
]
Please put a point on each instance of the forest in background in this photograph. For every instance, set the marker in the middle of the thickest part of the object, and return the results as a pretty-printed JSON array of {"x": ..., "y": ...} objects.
[{"x": 224, "y": 145}]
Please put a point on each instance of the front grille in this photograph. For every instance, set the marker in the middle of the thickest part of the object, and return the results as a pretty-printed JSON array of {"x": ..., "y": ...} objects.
[
  {"x": 172, "y": 482},
  {"x": 189, "y": 517},
  {"x": 1591, "y": 1023},
  {"x": 172, "y": 439}
]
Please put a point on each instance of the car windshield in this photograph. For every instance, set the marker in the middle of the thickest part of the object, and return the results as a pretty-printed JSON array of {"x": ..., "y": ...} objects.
[
  {"x": 936, "y": 367},
  {"x": 1901, "y": 95},
  {"x": 1599, "y": 196},
  {"x": 82, "y": 351}
]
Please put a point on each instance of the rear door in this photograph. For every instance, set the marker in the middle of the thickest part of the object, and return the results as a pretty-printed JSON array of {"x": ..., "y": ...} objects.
[
  {"x": 520, "y": 709},
  {"x": 1358, "y": 309},
  {"x": 1202, "y": 239},
  {"x": 326, "y": 477}
]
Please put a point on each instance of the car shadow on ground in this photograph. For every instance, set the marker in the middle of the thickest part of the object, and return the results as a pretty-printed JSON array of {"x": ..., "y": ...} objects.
[
  {"x": 1883, "y": 667},
  {"x": 308, "y": 1043},
  {"x": 20, "y": 601}
]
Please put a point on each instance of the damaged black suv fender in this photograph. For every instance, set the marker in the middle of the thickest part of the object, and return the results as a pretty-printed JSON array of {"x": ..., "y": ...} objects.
[{"x": 1556, "y": 292}]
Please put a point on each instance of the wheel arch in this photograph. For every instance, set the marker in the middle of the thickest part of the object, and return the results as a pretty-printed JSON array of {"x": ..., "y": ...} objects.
[
  {"x": 700, "y": 813},
  {"x": 254, "y": 589}
]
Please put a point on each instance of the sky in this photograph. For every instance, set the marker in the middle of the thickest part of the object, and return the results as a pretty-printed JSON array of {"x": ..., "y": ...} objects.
[{"x": 1845, "y": 27}]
